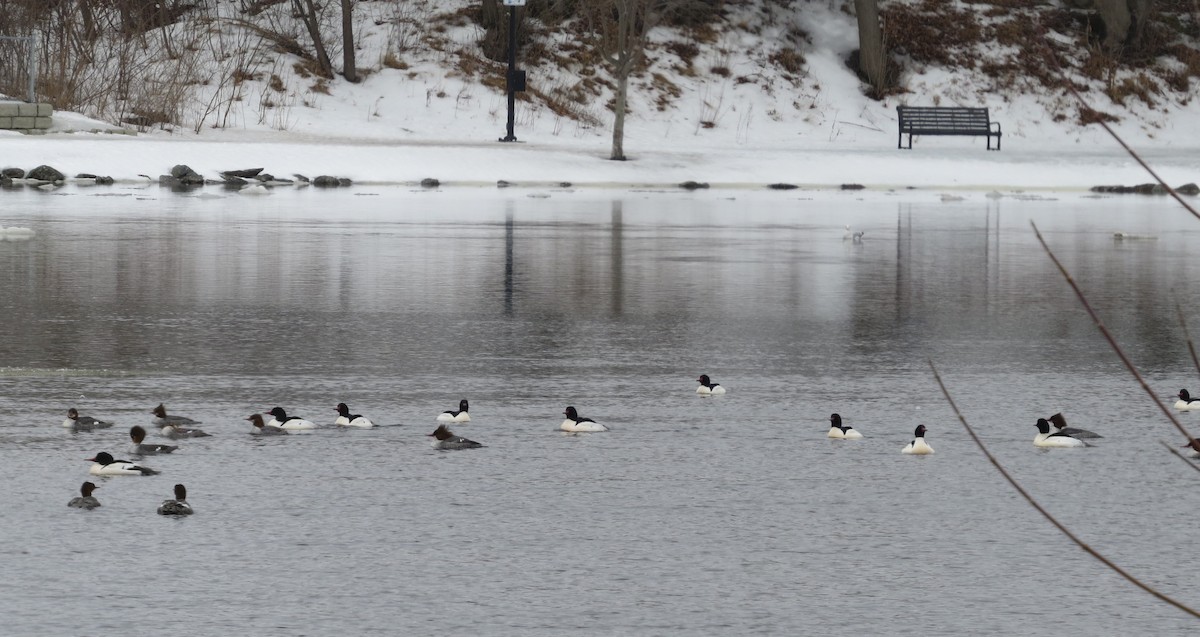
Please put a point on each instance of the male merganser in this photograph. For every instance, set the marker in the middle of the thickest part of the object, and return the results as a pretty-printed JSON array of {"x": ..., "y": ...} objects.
[
  {"x": 708, "y": 388},
  {"x": 459, "y": 415},
  {"x": 918, "y": 447},
  {"x": 837, "y": 430},
  {"x": 84, "y": 500},
  {"x": 137, "y": 435},
  {"x": 443, "y": 438},
  {"x": 279, "y": 418},
  {"x": 179, "y": 505},
  {"x": 1060, "y": 424},
  {"x": 576, "y": 423},
  {"x": 1185, "y": 401},
  {"x": 1057, "y": 439},
  {"x": 83, "y": 423},
  {"x": 261, "y": 428},
  {"x": 346, "y": 419},
  {"x": 104, "y": 465}
]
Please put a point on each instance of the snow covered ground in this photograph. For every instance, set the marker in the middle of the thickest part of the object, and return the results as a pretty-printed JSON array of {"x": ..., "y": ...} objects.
[{"x": 399, "y": 127}]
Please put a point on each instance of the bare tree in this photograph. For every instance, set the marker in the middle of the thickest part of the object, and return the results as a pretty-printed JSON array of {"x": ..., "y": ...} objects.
[
  {"x": 871, "y": 56},
  {"x": 348, "y": 69},
  {"x": 307, "y": 12}
]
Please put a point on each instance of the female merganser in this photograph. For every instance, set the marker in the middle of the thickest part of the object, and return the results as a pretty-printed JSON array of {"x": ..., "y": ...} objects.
[
  {"x": 708, "y": 388},
  {"x": 179, "y": 505},
  {"x": 1060, "y": 424},
  {"x": 576, "y": 423},
  {"x": 83, "y": 423},
  {"x": 837, "y": 430},
  {"x": 137, "y": 435},
  {"x": 175, "y": 426},
  {"x": 918, "y": 446},
  {"x": 460, "y": 415},
  {"x": 443, "y": 438},
  {"x": 279, "y": 418},
  {"x": 261, "y": 428},
  {"x": 346, "y": 419},
  {"x": 1194, "y": 445},
  {"x": 104, "y": 465},
  {"x": 84, "y": 500},
  {"x": 1185, "y": 401},
  {"x": 1057, "y": 439}
]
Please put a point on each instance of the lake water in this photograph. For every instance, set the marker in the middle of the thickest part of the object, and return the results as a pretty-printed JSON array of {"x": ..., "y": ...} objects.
[{"x": 729, "y": 515}]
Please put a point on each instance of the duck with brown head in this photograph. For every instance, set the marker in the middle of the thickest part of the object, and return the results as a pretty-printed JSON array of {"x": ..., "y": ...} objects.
[
  {"x": 443, "y": 438},
  {"x": 85, "y": 499},
  {"x": 179, "y": 505}
]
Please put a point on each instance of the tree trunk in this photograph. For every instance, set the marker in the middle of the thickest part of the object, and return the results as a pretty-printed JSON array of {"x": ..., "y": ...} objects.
[
  {"x": 1115, "y": 16},
  {"x": 871, "y": 59},
  {"x": 308, "y": 13},
  {"x": 348, "y": 69},
  {"x": 618, "y": 140}
]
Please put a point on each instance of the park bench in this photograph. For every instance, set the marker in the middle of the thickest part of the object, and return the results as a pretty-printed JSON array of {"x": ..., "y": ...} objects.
[{"x": 946, "y": 120}]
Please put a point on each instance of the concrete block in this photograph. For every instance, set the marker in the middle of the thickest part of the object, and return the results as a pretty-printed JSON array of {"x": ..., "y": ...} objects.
[
  {"x": 9, "y": 109},
  {"x": 27, "y": 110},
  {"x": 42, "y": 122},
  {"x": 6, "y": 123},
  {"x": 45, "y": 110},
  {"x": 22, "y": 122}
]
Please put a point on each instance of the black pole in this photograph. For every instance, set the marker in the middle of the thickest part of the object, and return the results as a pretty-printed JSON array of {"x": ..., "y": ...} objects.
[{"x": 512, "y": 72}]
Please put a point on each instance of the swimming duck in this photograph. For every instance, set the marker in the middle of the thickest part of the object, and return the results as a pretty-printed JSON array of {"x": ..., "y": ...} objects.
[
  {"x": 578, "y": 424},
  {"x": 346, "y": 419},
  {"x": 179, "y": 505},
  {"x": 261, "y": 428},
  {"x": 709, "y": 388},
  {"x": 918, "y": 447},
  {"x": 840, "y": 432},
  {"x": 1060, "y": 424},
  {"x": 137, "y": 435},
  {"x": 443, "y": 438},
  {"x": 459, "y": 415},
  {"x": 84, "y": 500},
  {"x": 104, "y": 465},
  {"x": 1185, "y": 401},
  {"x": 175, "y": 426},
  {"x": 279, "y": 418},
  {"x": 83, "y": 423},
  {"x": 1046, "y": 439}
]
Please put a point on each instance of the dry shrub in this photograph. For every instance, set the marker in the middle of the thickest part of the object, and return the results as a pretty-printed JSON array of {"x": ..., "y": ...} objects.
[
  {"x": 1139, "y": 86},
  {"x": 686, "y": 51},
  {"x": 392, "y": 61},
  {"x": 276, "y": 84},
  {"x": 1091, "y": 116},
  {"x": 932, "y": 32},
  {"x": 723, "y": 71},
  {"x": 790, "y": 60},
  {"x": 320, "y": 86}
]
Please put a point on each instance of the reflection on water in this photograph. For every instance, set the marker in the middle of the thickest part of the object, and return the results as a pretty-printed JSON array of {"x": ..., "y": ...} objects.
[{"x": 718, "y": 516}]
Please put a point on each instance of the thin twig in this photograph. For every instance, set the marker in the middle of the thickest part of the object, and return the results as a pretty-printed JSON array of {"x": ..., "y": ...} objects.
[
  {"x": 1188, "y": 336},
  {"x": 1034, "y": 503},
  {"x": 1180, "y": 456},
  {"x": 1109, "y": 337}
]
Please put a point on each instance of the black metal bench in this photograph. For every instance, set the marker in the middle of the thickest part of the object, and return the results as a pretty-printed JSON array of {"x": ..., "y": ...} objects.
[{"x": 946, "y": 120}]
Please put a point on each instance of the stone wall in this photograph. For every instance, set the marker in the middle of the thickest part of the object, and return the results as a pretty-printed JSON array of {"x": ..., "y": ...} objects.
[{"x": 22, "y": 116}]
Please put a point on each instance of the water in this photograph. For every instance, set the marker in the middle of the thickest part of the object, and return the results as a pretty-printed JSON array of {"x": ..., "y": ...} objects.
[{"x": 694, "y": 516}]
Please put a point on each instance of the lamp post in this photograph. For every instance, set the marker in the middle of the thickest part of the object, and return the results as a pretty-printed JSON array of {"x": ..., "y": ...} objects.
[{"x": 514, "y": 79}]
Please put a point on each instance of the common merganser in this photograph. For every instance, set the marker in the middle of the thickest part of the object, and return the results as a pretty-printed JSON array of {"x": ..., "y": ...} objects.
[
  {"x": 708, "y": 388},
  {"x": 852, "y": 235},
  {"x": 1185, "y": 401},
  {"x": 1060, "y": 424},
  {"x": 179, "y": 505},
  {"x": 443, "y": 438},
  {"x": 84, "y": 500},
  {"x": 1194, "y": 445},
  {"x": 279, "y": 418},
  {"x": 104, "y": 465},
  {"x": 918, "y": 447},
  {"x": 837, "y": 430},
  {"x": 83, "y": 423},
  {"x": 459, "y": 415},
  {"x": 261, "y": 428},
  {"x": 137, "y": 435},
  {"x": 346, "y": 419},
  {"x": 161, "y": 419},
  {"x": 1057, "y": 439},
  {"x": 578, "y": 424}
]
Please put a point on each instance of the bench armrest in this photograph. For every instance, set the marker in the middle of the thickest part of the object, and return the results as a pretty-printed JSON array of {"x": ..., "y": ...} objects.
[{"x": 997, "y": 125}]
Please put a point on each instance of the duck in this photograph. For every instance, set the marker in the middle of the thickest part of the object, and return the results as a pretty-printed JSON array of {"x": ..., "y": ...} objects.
[
  {"x": 709, "y": 388},
  {"x": 918, "y": 446},
  {"x": 841, "y": 432},
  {"x": 279, "y": 418},
  {"x": 1194, "y": 445},
  {"x": 83, "y": 423},
  {"x": 260, "y": 427},
  {"x": 1186, "y": 401},
  {"x": 104, "y": 465},
  {"x": 85, "y": 499},
  {"x": 852, "y": 235},
  {"x": 137, "y": 435},
  {"x": 1058, "y": 439},
  {"x": 346, "y": 419},
  {"x": 1060, "y": 424},
  {"x": 175, "y": 426},
  {"x": 578, "y": 424},
  {"x": 459, "y": 415},
  {"x": 178, "y": 506},
  {"x": 443, "y": 438}
]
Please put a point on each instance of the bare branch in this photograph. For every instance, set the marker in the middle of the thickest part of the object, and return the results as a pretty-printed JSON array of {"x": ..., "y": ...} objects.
[{"x": 1188, "y": 336}]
